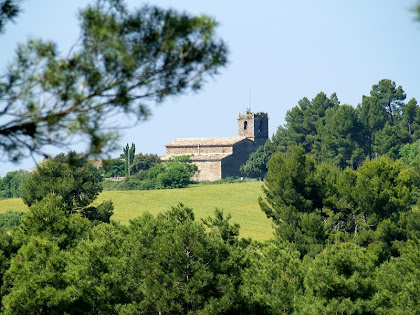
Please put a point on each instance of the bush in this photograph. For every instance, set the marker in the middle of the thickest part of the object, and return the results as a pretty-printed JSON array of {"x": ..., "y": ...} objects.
[
  {"x": 176, "y": 173},
  {"x": 175, "y": 176}
]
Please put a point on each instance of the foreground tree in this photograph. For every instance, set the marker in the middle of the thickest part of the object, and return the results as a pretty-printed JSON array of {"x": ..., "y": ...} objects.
[
  {"x": 339, "y": 280},
  {"x": 168, "y": 264},
  {"x": 123, "y": 62},
  {"x": 398, "y": 281},
  {"x": 9, "y": 9},
  {"x": 313, "y": 204},
  {"x": 417, "y": 10},
  {"x": 176, "y": 266}
]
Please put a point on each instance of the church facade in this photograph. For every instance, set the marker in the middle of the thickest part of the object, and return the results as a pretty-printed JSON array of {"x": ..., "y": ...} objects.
[{"x": 218, "y": 158}]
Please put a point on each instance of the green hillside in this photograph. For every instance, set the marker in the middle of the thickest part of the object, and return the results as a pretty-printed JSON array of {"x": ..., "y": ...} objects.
[{"x": 240, "y": 200}]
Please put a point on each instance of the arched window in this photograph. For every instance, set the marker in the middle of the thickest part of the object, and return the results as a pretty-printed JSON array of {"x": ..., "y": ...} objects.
[{"x": 245, "y": 125}]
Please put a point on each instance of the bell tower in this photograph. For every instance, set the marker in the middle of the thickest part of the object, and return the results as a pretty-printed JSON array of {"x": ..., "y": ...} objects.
[{"x": 253, "y": 126}]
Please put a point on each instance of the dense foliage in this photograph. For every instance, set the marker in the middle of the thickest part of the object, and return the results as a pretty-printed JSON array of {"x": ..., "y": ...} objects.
[
  {"x": 10, "y": 219},
  {"x": 118, "y": 167},
  {"x": 58, "y": 262},
  {"x": 379, "y": 126},
  {"x": 10, "y": 185},
  {"x": 346, "y": 136},
  {"x": 151, "y": 174},
  {"x": 345, "y": 241},
  {"x": 74, "y": 179},
  {"x": 112, "y": 168}
]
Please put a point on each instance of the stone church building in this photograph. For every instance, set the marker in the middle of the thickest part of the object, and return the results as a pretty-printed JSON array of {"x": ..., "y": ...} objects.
[{"x": 218, "y": 158}]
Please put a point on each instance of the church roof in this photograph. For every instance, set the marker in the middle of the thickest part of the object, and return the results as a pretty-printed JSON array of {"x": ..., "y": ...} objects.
[{"x": 191, "y": 142}]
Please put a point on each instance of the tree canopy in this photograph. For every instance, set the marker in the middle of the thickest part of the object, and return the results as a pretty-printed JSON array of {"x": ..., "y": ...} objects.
[
  {"x": 74, "y": 179},
  {"x": 345, "y": 135}
]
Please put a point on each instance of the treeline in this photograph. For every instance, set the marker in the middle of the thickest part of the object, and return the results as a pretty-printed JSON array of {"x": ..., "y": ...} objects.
[
  {"x": 379, "y": 126},
  {"x": 11, "y": 183},
  {"x": 346, "y": 241},
  {"x": 148, "y": 172}
]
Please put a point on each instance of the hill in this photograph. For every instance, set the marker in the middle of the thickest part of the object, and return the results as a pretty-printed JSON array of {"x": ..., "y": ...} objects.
[{"x": 239, "y": 199}]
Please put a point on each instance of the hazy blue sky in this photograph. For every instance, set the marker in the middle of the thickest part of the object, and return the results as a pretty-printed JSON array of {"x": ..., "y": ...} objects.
[{"x": 281, "y": 51}]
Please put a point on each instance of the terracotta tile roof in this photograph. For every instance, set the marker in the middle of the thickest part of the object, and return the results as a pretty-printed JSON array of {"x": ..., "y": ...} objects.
[
  {"x": 201, "y": 157},
  {"x": 193, "y": 142}
]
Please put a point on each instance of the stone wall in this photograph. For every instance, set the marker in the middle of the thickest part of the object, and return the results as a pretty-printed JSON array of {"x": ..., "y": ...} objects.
[
  {"x": 246, "y": 125},
  {"x": 241, "y": 151},
  {"x": 218, "y": 158},
  {"x": 208, "y": 171},
  {"x": 198, "y": 150},
  {"x": 254, "y": 127}
]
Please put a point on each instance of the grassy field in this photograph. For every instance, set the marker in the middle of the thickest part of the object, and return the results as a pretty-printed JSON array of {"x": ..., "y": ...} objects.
[{"x": 239, "y": 199}]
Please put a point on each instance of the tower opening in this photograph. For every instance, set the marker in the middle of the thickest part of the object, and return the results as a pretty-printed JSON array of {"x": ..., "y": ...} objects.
[{"x": 245, "y": 125}]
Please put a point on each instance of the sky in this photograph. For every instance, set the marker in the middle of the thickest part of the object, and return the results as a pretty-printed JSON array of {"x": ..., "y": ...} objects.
[{"x": 280, "y": 52}]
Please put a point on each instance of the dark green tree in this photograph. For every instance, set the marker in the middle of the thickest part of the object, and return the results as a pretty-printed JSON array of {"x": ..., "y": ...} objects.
[
  {"x": 128, "y": 157},
  {"x": 37, "y": 280},
  {"x": 384, "y": 189},
  {"x": 175, "y": 266},
  {"x": 410, "y": 155},
  {"x": 144, "y": 162},
  {"x": 113, "y": 168},
  {"x": 10, "y": 242},
  {"x": 10, "y": 219},
  {"x": 273, "y": 281},
  {"x": 372, "y": 117},
  {"x": 11, "y": 184},
  {"x": 295, "y": 130},
  {"x": 339, "y": 280},
  {"x": 303, "y": 124},
  {"x": 390, "y": 97},
  {"x": 341, "y": 137},
  {"x": 49, "y": 219},
  {"x": 71, "y": 177},
  {"x": 124, "y": 61},
  {"x": 389, "y": 140},
  {"x": 291, "y": 199},
  {"x": 366, "y": 205},
  {"x": 398, "y": 281},
  {"x": 98, "y": 270},
  {"x": 411, "y": 120},
  {"x": 384, "y": 108},
  {"x": 177, "y": 173}
]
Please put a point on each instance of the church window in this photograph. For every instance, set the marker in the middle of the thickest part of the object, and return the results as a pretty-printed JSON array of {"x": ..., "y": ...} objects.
[{"x": 245, "y": 125}]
